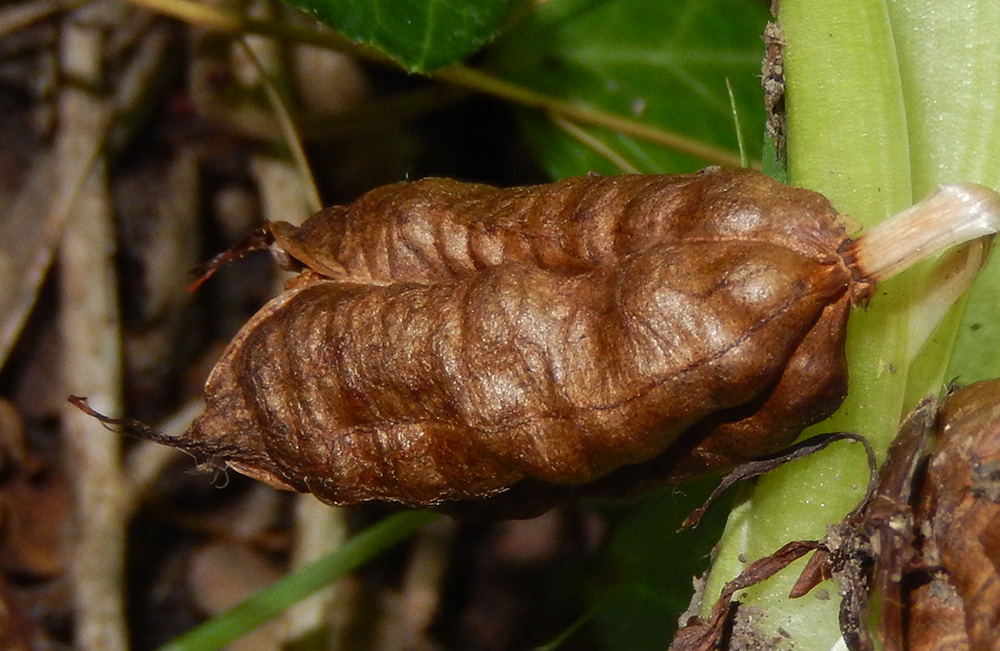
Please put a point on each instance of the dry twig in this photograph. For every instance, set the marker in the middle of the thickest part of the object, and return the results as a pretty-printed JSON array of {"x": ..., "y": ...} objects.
[{"x": 91, "y": 345}]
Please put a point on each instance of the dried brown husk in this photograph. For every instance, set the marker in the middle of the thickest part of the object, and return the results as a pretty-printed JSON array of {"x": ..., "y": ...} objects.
[
  {"x": 959, "y": 514},
  {"x": 918, "y": 561},
  {"x": 933, "y": 531},
  {"x": 496, "y": 351}
]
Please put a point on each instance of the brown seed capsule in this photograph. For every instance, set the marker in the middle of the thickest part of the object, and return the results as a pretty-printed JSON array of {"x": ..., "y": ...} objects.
[
  {"x": 450, "y": 341},
  {"x": 495, "y": 351}
]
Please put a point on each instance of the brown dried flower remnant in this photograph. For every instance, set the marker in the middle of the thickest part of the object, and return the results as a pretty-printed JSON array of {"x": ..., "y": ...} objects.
[
  {"x": 772, "y": 80},
  {"x": 496, "y": 351},
  {"x": 918, "y": 561},
  {"x": 959, "y": 514}
]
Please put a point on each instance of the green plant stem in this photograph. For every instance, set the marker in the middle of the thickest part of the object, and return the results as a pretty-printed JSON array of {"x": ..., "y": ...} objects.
[
  {"x": 267, "y": 604},
  {"x": 848, "y": 140}
]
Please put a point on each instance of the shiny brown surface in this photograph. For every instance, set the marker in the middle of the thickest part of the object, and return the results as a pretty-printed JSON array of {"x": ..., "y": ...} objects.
[{"x": 450, "y": 342}]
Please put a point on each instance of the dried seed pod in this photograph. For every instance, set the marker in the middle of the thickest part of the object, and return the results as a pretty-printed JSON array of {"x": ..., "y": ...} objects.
[
  {"x": 495, "y": 351},
  {"x": 450, "y": 341}
]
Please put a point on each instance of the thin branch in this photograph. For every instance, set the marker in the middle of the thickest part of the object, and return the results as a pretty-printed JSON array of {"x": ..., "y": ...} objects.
[
  {"x": 228, "y": 21},
  {"x": 19, "y": 16},
  {"x": 147, "y": 460},
  {"x": 599, "y": 147},
  {"x": 292, "y": 137},
  {"x": 319, "y": 530},
  {"x": 423, "y": 582},
  {"x": 489, "y": 85}
]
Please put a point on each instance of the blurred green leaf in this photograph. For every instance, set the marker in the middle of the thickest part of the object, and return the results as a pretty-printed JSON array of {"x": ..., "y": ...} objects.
[
  {"x": 654, "y": 564},
  {"x": 421, "y": 35},
  {"x": 950, "y": 71},
  {"x": 662, "y": 62}
]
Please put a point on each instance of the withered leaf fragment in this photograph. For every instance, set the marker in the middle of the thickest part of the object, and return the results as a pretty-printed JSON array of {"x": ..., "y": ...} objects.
[
  {"x": 708, "y": 634},
  {"x": 870, "y": 550},
  {"x": 492, "y": 352}
]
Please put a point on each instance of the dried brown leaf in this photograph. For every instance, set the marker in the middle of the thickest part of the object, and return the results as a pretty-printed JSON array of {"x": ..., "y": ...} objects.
[{"x": 763, "y": 465}]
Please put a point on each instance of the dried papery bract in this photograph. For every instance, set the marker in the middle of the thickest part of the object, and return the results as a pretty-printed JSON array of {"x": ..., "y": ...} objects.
[
  {"x": 918, "y": 560},
  {"x": 495, "y": 351}
]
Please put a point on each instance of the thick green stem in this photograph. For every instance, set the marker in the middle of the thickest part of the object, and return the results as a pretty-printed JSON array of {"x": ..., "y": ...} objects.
[
  {"x": 886, "y": 98},
  {"x": 848, "y": 140}
]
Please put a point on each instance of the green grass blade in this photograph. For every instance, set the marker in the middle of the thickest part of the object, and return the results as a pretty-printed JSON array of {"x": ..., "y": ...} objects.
[{"x": 296, "y": 586}]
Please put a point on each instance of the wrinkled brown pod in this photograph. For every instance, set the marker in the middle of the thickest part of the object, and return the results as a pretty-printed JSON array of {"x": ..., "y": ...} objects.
[
  {"x": 492, "y": 352},
  {"x": 499, "y": 350}
]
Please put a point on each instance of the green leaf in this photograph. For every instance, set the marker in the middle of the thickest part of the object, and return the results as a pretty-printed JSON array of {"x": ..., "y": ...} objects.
[
  {"x": 421, "y": 35},
  {"x": 950, "y": 68},
  {"x": 661, "y": 62},
  {"x": 977, "y": 349},
  {"x": 654, "y": 566}
]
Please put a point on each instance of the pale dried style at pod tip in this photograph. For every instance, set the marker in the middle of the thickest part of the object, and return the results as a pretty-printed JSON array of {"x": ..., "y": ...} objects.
[{"x": 494, "y": 352}]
